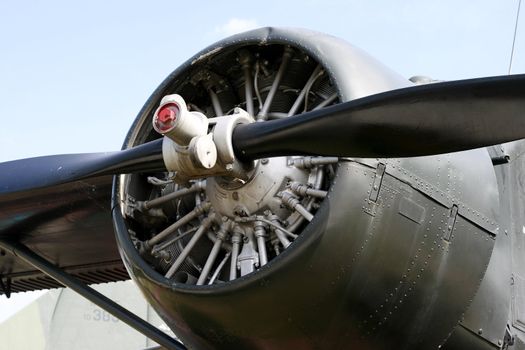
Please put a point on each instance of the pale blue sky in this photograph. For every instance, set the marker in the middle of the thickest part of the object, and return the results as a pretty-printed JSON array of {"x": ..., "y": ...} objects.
[{"x": 73, "y": 75}]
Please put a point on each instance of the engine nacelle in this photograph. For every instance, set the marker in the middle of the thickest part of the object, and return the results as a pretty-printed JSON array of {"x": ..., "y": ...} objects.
[{"x": 303, "y": 252}]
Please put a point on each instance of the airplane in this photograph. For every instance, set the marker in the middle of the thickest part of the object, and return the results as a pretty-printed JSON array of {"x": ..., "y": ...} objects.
[{"x": 283, "y": 189}]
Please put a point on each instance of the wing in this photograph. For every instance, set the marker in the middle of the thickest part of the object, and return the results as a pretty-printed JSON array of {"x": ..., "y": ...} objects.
[{"x": 69, "y": 225}]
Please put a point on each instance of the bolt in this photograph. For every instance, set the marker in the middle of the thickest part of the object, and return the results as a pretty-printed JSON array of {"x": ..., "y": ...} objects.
[
  {"x": 240, "y": 210},
  {"x": 480, "y": 331},
  {"x": 264, "y": 161}
]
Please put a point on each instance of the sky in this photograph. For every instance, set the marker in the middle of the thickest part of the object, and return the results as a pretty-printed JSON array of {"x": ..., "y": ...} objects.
[{"x": 73, "y": 75}]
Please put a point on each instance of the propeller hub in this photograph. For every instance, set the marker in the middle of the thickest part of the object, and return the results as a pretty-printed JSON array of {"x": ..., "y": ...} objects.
[
  {"x": 165, "y": 119},
  {"x": 173, "y": 120},
  {"x": 191, "y": 149}
]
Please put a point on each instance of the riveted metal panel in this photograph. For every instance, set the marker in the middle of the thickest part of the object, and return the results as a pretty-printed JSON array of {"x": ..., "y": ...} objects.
[
  {"x": 463, "y": 339},
  {"x": 490, "y": 308},
  {"x": 411, "y": 210},
  {"x": 513, "y": 188},
  {"x": 426, "y": 287},
  {"x": 466, "y": 179}
]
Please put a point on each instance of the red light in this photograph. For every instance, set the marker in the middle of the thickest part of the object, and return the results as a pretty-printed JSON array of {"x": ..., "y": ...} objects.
[{"x": 166, "y": 117}]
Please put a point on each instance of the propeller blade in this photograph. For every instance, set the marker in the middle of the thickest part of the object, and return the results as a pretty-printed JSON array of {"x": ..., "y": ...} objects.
[
  {"x": 32, "y": 173},
  {"x": 415, "y": 121}
]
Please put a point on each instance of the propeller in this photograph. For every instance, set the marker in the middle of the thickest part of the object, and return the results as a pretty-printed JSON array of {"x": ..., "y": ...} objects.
[
  {"x": 415, "y": 121},
  {"x": 33, "y": 173}
]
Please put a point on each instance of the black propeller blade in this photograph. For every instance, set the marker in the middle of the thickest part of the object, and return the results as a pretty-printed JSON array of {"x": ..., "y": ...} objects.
[
  {"x": 32, "y": 173},
  {"x": 416, "y": 121}
]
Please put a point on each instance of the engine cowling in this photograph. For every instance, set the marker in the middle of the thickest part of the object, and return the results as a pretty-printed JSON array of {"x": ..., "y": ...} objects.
[{"x": 303, "y": 252}]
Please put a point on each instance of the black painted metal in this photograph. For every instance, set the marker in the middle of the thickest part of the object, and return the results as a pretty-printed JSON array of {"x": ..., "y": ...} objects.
[
  {"x": 331, "y": 289},
  {"x": 361, "y": 274},
  {"x": 416, "y": 121},
  {"x": 5, "y": 287},
  {"x": 92, "y": 295},
  {"x": 69, "y": 222},
  {"x": 39, "y": 172},
  {"x": 356, "y": 277},
  {"x": 499, "y": 160}
]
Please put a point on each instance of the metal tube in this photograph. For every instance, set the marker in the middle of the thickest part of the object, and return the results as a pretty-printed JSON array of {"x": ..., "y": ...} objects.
[
  {"x": 275, "y": 85},
  {"x": 282, "y": 238},
  {"x": 213, "y": 253},
  {"x": 302, "y": 190},
  {"x": 161, "y": 246},
  {"x": 236, "y": 241},
  {"x": 198, "y": 186},
  {"x": 219, "y": 268},
  {"x": 92, "y": 295},
  {"x": 316, "y": 193},
  {"x": 215, "y": 102},
  {"x": 209, "y": 262},
  {"x": 256, "y": 85},
  {"x": 302, "y": 94},
  {"x": 187, "y": 249},
  {"x": 326, "y": 102},
  {"x": 198, "y": 210},
  {"x": 293, "y": 203},
  {"x": 310, "y": 162},
  {"x": 273, "y": 224},
  {"x": 279, "y": 233},
  {"x": 261, "y": 247},
  {"x": 245, "y": 60},
  {"x": 248, "y": 88},
  {"x": 302, "y": 210},
  {"x": 260, "y": 234},
  {"x": 213, "y": 237},
  {"x": 316, "y": 185}
]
